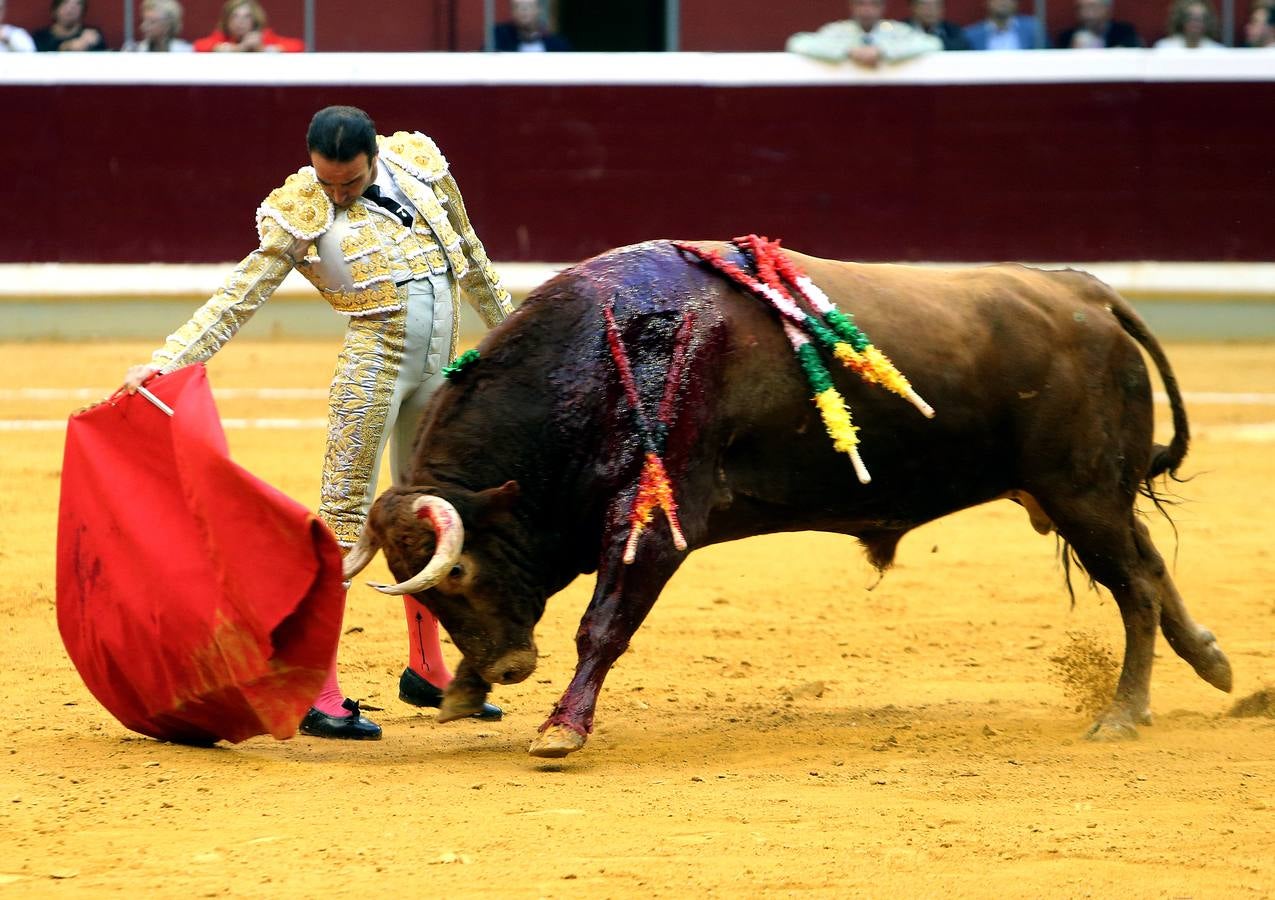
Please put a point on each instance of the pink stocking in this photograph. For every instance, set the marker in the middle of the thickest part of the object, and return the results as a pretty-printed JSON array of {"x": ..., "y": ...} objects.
[
  {"x": 426, "y": 654},
  {"x": 330, "y": 695}
]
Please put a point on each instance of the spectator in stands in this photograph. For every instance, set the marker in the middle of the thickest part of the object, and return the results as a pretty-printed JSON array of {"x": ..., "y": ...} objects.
[
  {"x": 242, "y": 29},
  {"x": 67, "y": 32},
  {"x": 1096, "y": 28},
  {"x": 1259, "y": 31},
  {"x": 528, "y": 32},
  {"x": 866, "y": 38},
  {"x": 161, "y": 25},
  {"x": 1004, "y": 29},
  {"x": 1192, "y": 26},
  {"x": 927, "y": 16},
  {"x": 12, "y": 38}
]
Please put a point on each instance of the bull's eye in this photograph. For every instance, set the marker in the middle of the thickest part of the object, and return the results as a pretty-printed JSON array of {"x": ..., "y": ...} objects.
[{"x": 456, "y": 572}]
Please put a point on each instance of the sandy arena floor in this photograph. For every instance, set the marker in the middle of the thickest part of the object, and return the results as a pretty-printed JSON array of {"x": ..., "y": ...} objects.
[{"x": 777, "y": 729}]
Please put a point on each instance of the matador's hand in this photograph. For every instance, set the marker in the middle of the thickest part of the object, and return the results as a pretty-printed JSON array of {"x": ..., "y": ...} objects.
[{"x": 135, "y": 376}]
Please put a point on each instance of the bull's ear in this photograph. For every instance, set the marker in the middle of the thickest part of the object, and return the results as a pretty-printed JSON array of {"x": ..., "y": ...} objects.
[
  {"x": 507, "y": 494},
  {"x": 500, "y": 499}
]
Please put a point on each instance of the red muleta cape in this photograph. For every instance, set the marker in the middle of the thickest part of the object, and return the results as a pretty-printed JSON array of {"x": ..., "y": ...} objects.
[{"x": 197, "y": 602}]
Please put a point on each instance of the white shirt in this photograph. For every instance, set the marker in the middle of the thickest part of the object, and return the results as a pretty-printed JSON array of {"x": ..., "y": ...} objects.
[
  {"x": 835, "y": 41},
  {"x": 1003, "y": 38},
  {"x": 385, "y": 181},
  {"x": 15, "y": 40},
  {"x": 1177, "y": 42},
  {"x": 176, "y": 45}
]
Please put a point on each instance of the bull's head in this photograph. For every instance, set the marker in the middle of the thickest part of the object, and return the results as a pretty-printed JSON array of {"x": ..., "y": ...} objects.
[{"x": 472, "y": 574}]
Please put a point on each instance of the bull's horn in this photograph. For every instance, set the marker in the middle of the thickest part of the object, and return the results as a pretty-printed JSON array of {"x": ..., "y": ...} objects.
[
  {"x": 358, "y": 556},
  {"x": 449, "y": 535}
]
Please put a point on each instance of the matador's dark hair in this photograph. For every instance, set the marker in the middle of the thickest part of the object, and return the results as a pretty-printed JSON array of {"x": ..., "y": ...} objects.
[{"x": 340, "y": 133}]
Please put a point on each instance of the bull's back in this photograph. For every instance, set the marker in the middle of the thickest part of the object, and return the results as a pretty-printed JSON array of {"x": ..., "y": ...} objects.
[
  {"x": 1009, "y": 357},
  {"x": 1012, "y": 360},
  {"x": 992, "y": 333}
]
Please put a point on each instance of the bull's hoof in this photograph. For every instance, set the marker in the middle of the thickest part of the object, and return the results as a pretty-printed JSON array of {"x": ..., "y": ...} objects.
[
  {"x": 555, "y": 742},
  {"x": 1214, "y": 667},
  {"x": 466, "y": 695},
  {"x": 1112, "y": 728},
  {"x": 460, "y": 706}
]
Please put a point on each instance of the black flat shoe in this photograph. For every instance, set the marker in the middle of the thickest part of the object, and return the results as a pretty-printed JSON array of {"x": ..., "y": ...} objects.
[
  {"x": 354, "y": 727},
  {"x": 414, "y": 689}
]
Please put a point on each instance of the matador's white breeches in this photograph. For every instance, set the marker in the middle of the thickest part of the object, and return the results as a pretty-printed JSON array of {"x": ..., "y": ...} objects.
[{"x": 388, "y": 368}]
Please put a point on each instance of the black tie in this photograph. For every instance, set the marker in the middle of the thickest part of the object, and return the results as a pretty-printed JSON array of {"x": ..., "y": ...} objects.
[{"x": 373, "y": 195}]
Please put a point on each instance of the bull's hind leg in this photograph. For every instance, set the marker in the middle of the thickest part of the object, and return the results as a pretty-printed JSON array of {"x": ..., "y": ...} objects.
[
  {"x": 621, "y": 600},
  {"x": 1104, "y": 540},
  {"x": 1192, "y": 642}
]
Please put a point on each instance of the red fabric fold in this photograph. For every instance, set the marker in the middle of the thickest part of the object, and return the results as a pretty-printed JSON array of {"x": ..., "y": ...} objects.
[{"x": 197, "y": 602}]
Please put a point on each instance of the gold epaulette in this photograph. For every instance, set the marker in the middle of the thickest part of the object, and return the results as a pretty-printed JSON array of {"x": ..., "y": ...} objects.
[
  {"x": 415, "y": 153},
  {"x": 300, "y": 206}
]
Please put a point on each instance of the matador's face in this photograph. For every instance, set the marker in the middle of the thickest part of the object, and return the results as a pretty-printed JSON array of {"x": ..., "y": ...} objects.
[{"x": 344, "y": 182}]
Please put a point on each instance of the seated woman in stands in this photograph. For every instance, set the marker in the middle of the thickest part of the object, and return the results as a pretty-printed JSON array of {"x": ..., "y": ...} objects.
[
  {"x": 160, "y": 30},
  {"x": 1192, "y": 26},
  {"x": 242, "y": 29},
  {"x": 67, "y": 32}
]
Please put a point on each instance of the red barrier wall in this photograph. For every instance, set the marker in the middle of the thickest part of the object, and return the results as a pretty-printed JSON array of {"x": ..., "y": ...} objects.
[{"x": 890, "y": 172}]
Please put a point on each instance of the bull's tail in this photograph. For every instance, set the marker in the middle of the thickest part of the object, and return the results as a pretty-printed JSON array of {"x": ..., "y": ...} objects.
[{"x": 1163, "y": 459}]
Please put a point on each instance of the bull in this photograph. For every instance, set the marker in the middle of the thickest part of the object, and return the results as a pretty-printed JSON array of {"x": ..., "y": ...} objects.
[{"x": 526, "y": 464}]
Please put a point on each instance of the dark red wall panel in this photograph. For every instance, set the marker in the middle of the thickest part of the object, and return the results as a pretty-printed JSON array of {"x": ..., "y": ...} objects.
[{"x": 959, "y": 172}]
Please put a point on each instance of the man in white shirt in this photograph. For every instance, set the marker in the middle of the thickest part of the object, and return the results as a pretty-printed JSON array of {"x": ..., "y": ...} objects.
[
  {"x": 866, "y": 38},
  {"x": 12, "y": 38}
]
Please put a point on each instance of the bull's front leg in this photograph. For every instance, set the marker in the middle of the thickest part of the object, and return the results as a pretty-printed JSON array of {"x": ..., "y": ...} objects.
[
  {"x": 465, "y": 695},
  {"x": 622, "y": 598}
]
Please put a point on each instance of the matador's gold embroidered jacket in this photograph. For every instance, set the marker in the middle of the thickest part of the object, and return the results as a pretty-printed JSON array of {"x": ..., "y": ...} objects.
[{"x": 354, "y": 257}]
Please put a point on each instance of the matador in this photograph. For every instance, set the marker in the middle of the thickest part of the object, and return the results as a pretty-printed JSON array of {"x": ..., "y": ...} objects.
[{"x": 378, "y": 225}]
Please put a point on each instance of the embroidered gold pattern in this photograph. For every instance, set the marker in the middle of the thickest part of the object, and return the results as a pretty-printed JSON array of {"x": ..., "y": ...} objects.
[
  {"x": 416, "y": 154},
  {"x": 420, "y": 265},
  {"x": 378, "y": 297},
  {"x": 358, "y": 407},
  {"x": 359, "y": 243},
  {"x": 376, "y": 267},
  {"x": 299, "y": 206},
  {"x": 481, "y": 285}
]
